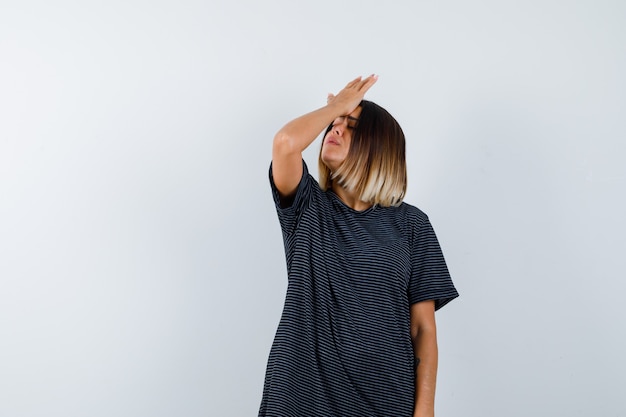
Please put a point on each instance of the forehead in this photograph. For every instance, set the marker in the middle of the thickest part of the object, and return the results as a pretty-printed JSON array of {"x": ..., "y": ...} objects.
[
  {"x": 352, "y": 117},
  {"x": 356, "y": 113}
]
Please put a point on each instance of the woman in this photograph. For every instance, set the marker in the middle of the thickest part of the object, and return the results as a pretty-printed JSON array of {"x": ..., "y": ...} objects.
[{"x": 357, "y": 336}]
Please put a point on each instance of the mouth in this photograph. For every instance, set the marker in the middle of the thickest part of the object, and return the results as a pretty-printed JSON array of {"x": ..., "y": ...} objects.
[{"x": 332, "y": 141}]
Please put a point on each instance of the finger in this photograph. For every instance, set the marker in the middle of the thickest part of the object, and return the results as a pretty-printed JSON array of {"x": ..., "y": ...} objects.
[
  {"x": 354, "y": 82},
  {"x": 367, "y": 83},
  {"x": 369, "y": 80}
]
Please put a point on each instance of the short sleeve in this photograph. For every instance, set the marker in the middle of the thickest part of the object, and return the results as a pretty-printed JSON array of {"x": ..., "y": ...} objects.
[
  {"x": 430, "y": 279},
  {"x": 289, "y": 212}
]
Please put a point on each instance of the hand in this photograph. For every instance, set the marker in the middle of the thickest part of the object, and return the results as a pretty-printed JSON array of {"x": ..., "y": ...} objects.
[{"x": 349, "y": 98}]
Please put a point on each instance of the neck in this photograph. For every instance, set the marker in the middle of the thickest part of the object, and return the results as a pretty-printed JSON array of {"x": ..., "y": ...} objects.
[{"x": 350, "y": 199}]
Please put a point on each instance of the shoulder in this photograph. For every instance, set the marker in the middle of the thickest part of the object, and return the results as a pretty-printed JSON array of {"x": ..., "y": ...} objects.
[
  {"x": 412, "y": 213},
  {"x": 306, "y": 190}
]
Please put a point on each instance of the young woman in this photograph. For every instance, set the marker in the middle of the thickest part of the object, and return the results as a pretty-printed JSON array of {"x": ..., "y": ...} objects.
[{"x": 357, "y": 336}]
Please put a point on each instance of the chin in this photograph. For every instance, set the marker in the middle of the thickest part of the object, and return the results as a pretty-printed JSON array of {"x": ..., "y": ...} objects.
[{"x": 330, "y": 163}]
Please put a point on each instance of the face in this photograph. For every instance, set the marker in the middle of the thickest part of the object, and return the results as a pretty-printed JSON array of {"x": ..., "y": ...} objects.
[{"x": 337, "y": 141}]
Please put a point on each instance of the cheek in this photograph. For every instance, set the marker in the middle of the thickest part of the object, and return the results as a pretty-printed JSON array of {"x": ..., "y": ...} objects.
[
  {"x": 328, "y": 156},
  {"x": 346, "y": 145}
]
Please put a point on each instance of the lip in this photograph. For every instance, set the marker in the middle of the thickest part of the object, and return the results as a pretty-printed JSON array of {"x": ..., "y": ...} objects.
[{"x": 332, "y": 141}]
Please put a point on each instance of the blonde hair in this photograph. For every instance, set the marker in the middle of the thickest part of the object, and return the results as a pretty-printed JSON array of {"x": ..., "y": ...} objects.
[{"x": 375, "y": 167}]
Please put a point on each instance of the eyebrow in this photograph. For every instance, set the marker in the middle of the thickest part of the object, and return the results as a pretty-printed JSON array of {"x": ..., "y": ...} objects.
[{"x": 350, "y": 118}]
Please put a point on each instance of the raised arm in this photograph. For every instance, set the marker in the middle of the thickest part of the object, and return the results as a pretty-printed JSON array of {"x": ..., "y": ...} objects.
[{"x": 298, "y": 134}]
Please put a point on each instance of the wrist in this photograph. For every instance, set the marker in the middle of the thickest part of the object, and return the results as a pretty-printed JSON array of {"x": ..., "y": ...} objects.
[{"x": 339, "y": 109}]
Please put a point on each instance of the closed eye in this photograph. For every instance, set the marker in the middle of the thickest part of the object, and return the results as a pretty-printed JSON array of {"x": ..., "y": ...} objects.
[{"x": 352, "y": 121}]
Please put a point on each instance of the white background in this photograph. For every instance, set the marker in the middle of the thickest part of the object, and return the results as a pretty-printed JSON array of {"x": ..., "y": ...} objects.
[{"x": 142, "y": 270}]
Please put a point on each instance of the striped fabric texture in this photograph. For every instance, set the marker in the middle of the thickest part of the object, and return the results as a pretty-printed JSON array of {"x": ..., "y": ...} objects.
[{"x": 343, "y": 345}]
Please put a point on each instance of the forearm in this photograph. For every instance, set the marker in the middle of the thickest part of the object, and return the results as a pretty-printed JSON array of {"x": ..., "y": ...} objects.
[
  {"x": 299, "y": 133},
  {"x": 425, "y": 347}
]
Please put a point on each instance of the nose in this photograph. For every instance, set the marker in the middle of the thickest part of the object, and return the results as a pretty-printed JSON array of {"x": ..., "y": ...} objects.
[{"x": 339, "y": 126}]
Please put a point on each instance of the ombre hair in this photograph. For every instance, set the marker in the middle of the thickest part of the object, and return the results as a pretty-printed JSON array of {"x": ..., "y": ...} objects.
[{"x": 375, "y": 167}]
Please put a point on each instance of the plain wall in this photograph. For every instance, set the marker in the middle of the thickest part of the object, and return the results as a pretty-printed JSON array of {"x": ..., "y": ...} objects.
[{"x": 142, "y": 270}]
